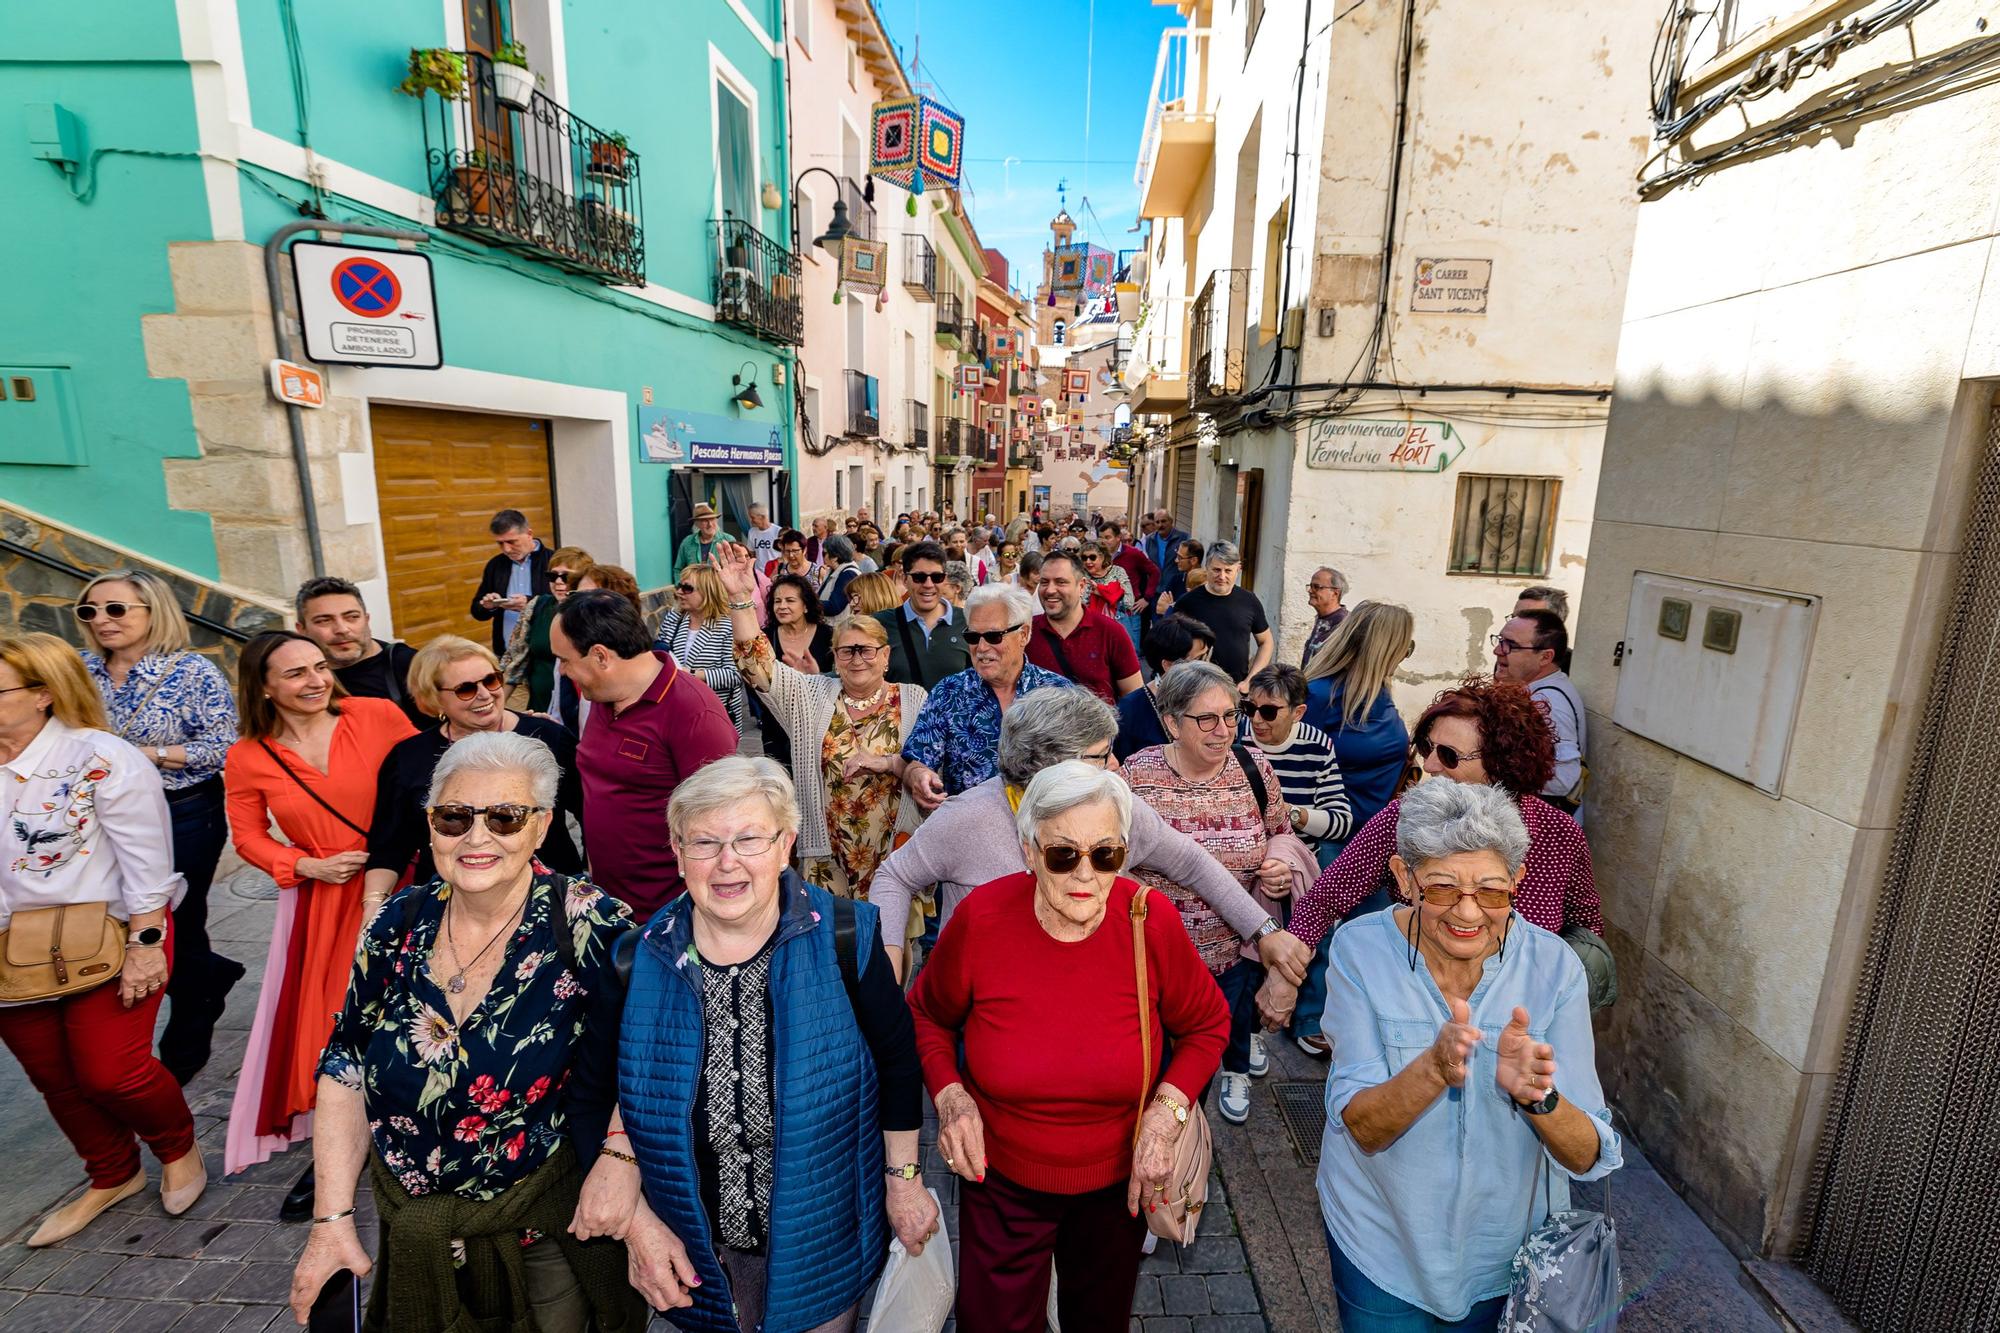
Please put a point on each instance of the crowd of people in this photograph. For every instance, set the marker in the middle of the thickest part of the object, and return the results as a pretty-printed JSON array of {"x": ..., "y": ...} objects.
[{"x": 618, "y": 1007}]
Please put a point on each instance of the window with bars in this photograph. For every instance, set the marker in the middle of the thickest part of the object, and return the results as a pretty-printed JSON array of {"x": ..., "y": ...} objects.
[{"x": 1504, "y": 525}]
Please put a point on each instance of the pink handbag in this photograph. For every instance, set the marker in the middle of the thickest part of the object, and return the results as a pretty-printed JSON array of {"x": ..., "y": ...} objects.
[{"x": 1176, "y": 1213}]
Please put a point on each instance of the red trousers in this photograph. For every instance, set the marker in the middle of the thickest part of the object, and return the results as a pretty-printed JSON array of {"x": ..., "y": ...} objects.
[
  {"x": 1006, "y": 1236},
  {"x": 92, "y": 1060}
]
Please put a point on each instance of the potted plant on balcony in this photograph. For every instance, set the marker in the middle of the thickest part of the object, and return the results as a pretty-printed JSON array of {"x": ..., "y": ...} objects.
[
  {"x": 435, "y": 70},
  {"x": 607, "y": 156},
  {"x": 483, "y": 190},
  {"x": 513, "y": 81}
]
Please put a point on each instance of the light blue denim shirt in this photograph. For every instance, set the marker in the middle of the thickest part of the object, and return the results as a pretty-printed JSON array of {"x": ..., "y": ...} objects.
[{"x": 1435, "y": 1217}]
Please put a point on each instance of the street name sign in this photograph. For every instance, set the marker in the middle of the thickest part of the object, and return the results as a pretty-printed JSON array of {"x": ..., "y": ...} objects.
[
  {"x": 1451, "y": 286},
  {"x": 367, "y": 307}
]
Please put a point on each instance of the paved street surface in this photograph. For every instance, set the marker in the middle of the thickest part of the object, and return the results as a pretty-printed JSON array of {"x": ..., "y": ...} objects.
[{"x": 1259, "y": 1262}]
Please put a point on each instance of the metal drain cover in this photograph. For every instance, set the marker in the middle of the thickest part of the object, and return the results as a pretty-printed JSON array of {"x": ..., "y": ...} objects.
[{"x": 1302, "y": 1106}]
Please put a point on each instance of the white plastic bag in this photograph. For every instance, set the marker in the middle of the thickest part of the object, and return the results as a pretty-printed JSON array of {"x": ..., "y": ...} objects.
[{"x": 914, "y": 1295}]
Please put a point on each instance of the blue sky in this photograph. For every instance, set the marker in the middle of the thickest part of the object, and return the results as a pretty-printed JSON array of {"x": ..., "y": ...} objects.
[{"x": 1016, "y": 73}]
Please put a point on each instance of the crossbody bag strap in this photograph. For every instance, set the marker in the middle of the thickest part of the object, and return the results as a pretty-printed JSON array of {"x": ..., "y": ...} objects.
[
  {"x": 910, "y": 649},
  {"x": 1257, "y": 787},
  {"x": 318, "y": 800},
  {"x": 1145, "y": 1008},
  {"x": 173, "y": 665},
  {"x": 1062, "y": 658}
]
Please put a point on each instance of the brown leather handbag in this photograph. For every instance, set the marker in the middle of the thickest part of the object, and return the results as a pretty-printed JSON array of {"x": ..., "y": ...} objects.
[
  {"x": 1176, "y": 1213},
  {"x": 49, "y": 952}
]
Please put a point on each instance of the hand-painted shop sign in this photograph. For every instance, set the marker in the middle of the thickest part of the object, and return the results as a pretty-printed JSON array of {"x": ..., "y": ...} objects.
[
  {"x": 1451, "y": 286},
  {"x": 366, "y": 307},
  {"x": 1350, "y": 444},
  {"x": 701, "y": 439}
]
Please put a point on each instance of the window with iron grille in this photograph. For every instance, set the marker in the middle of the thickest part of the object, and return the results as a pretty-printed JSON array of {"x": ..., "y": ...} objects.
[{"x": 1504, "y": 525}]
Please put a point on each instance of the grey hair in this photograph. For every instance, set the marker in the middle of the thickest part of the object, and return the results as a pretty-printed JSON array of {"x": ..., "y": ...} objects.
[
  {"x": 1065, "y": 786},
  {"x": 1223, "y": 553},
  {"x": 499, "y": 752},
  {"x": 729, "y": 781},
  {"x": 1557, "y": 598},
  {"x": 959, "y": 575},
  {"x": 1049, "y": 727},
  {"x": 1187, "y": 681},
  {"x": 1439, "y": 818},
  {"x": 1020, "y": 603},
  {"x": 839, "y": 549},
  {"x": 1339, "y": 579}
]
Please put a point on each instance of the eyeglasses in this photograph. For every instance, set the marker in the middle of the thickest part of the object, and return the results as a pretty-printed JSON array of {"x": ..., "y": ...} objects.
[
  {"x": 16, "y": 689},
  {"x": 503, "y": 821},
  {"x": 1504, "y": 645},
  {"x": 1319, "y": 587},
  {"x": 1210, "y": 721},
  {"x": 490, "y": 682},
  {"x": 1102, "y": 758},
  {"x": 993, "y": 636},
  {"x": 925, "y": 576},
  {"x": 1104, "y": 860},
  {"x": 87, "y": 611},
  {"x": 1449, "y": 756},
  {"x": 1447, "y": 895},
  {"x": 743, "y": 844},
  {"x": 1269, "y": 712},
  {"x": 858, "y": 652}
]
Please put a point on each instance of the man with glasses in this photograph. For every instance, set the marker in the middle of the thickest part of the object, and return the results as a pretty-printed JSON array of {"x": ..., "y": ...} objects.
[
  {"x": 952, "y": 746},
  {"x": 926, "y": 633},
  {"x": 1326, "y": 590},
  {"x": 1530, "y": 649},
  {"x": 518, "y": 573},
  {"x": 1076, "y": 640},
  {"x": 331, "y": 613}
]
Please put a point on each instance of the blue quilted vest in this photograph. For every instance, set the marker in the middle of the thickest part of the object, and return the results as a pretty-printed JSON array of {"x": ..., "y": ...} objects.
[{"x": 828, "y": 1234}]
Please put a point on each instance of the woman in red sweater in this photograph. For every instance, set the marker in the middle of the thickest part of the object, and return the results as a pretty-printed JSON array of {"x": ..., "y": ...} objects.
[{"x": 1039, "y": 1123}]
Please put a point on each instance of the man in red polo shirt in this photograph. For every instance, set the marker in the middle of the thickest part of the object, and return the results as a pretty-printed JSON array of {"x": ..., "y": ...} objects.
[
  {"x": 1076, "y": 641},
  {"x": 651, "y": 724}
]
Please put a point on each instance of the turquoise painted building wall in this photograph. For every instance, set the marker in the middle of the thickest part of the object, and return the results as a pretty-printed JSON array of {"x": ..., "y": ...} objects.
[{"x": 100, "y": 258}]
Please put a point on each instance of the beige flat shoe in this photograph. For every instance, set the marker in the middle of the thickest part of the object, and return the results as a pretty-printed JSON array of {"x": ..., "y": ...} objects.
[
  {"x": 181, "y": 1197},
  {"x": 77, "y": 1214}
]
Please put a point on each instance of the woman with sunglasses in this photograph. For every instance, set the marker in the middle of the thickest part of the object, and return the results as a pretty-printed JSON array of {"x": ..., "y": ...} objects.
[
  {"x": 1226, "y": 796},
  {"x": 528, "y": 665},
  {"x": 457, "y": 682},
  {"x": 1111, "y": 587},
  {"x": 1055, "y": 1148},
  {"x": 308, "y": 759},
  {"x": 175, "y": 706},
  {"x": 847, "y": 733},
  {"x": 471, "y": 1070},
  {"x": 697, "y": 632},
  {"x": 1463, "y": 1071}
]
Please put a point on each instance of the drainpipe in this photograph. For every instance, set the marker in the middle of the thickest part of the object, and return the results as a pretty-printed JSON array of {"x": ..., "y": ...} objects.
[{"x": 274, "y": 250}]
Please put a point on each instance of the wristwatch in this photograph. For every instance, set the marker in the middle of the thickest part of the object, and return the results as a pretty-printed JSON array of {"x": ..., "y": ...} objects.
[
  {"x": 907, "y": 1171},
  {"x": 1544, "y": 1106},
  {"x": 152, "y": 937},
  {"x": 1270, "y": 927},
  {"x": 1180, "y": 1111}
]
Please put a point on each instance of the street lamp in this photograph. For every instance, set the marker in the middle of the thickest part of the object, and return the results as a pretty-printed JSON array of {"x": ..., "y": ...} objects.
[
  {"x": 744, "y": 394},
  {"x": 839, "y": 231}
]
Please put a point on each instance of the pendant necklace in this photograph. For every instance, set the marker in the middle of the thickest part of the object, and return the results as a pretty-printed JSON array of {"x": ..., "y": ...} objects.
[
  {"x": 456, "y": 984},
  {"x": 854, "y": 705}
]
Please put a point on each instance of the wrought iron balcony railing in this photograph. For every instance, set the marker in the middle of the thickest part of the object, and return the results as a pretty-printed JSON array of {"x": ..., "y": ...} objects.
[
  {"x": 1215, "y": 337},
  {"x": 919, "y": 268},
  {"x": 950, "y": 439},
  {"x": 920, "y": 425},
  {"x": 860, "y": 213},
  {"x": 864, "y": 404},
  {"x": 757, "y": 283},
  {"x": 950, "y": 320},
  {"x": 536, "y": 179}
]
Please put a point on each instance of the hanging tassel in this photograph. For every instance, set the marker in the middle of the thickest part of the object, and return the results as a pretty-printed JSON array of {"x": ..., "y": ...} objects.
[
  {"x": 836, "y": 296},
  {"x": 910, "y": 205}
]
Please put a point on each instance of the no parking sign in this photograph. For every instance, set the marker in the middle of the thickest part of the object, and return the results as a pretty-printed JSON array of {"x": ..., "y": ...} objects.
[{"x": 366, "y": 307}]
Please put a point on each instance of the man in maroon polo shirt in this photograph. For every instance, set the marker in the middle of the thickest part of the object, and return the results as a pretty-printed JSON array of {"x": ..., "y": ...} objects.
[
  {"x": 651, "y": 724},
  {"x": 1076, "y": 641}
]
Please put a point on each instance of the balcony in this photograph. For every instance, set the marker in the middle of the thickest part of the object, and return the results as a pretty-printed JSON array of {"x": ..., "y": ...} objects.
[
  {"x": 541, "y": 181},
  {"x": 757, "y": 283},
  {"x": 950, "y": 440},
  {"x": 1157, "y": 372},
  {"x": 1178, "y": 142},
  {"x": 864, "y": 404},
  {"x": 919, "y": 268},
  {"x": 860, "y": 213},
  {"x": 1215, "y": 338},
  {"x": 950, "y": 321},
  {"x": 920, "y": 424}
]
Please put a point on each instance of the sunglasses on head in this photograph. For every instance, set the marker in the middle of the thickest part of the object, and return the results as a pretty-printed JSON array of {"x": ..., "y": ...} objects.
[
  {"x": 455, "y": 821},
  {"x": 87, "y": 611},
  {"x": 1449, "y": 756},
  {"x": 993, "y": 636},
  {"x": 1104, "y": 860},
  {"x": 490, "y": 682},
  {"x": 925, "y": 576}
]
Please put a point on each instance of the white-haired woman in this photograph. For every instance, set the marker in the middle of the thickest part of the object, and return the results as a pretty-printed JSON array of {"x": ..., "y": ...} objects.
[
  {"x": 1463, "y": 1069},
  {"x": 768, "y": 1076},
  {"x": 471, "y": 1072},
  {"x": 174, "y": 705},
  {"x": 1034, "y": 978}
]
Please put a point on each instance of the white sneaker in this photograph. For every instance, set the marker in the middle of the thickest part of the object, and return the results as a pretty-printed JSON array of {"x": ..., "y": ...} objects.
[
  {"x": 1260, "y": 1059},
  {"x": 1232, "y": 1098}
]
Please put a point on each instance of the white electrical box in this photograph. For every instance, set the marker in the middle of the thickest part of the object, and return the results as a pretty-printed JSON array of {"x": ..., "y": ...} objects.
[{"x": 1715, "y": 672}]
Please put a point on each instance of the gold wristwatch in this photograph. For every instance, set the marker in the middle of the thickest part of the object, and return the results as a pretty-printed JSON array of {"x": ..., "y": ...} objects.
[
  {"x": 1180, "y": 1111},
  {"x": 907, "y": 1171}
]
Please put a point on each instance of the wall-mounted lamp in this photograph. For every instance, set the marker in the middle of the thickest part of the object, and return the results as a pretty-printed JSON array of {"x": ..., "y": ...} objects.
[{"x": 743, "y": 392}]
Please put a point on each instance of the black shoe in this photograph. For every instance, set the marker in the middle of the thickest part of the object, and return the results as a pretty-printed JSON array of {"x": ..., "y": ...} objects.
[
  {"x": 298, "y": 1205},
  {"x": 190, "y": 1030}
]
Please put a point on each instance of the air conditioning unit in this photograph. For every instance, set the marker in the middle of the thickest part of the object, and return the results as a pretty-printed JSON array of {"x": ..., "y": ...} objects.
[{"x": 734, "y": 300}]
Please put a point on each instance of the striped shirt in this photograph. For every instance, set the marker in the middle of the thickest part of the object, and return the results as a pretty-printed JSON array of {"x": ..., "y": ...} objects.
[{"x": 1310, "y": 776}]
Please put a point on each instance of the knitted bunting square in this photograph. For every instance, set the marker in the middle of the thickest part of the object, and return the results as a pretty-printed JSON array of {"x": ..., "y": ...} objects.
[
  {"x": 1070, "y": 261},
  {"x": 1076, "y": 383},
  {"x": 894, "y": 155},
  {"x": 970, "y": 378},
  {"x": 941, "y": 145},
  {"x": 864, "y": 263}
]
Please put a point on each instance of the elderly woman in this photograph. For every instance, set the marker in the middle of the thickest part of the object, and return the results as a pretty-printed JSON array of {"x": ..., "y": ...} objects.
[
  {"x": 470, "y": 1070},
  {"x": 175, "y": 706},
  {"x": 697, "y": 632},
  {"x": 86, "y": 840},
  {"x": 837, "y": 558},
  {"x": 529, "y": 665},
  {"x": 1034, "y": 977},
  {"x": 847, "y": 736},
  {"x": 1111, "y": 587},
  {"x": 768, "y": 1076},
  {"x": 1226, "y": 797},
  {"x": 458, "y": 682},
  {"x": 1463, "y": 1068}
]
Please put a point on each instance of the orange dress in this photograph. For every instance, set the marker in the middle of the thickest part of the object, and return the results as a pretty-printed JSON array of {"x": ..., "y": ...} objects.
[{"x": 312, "y": 944}]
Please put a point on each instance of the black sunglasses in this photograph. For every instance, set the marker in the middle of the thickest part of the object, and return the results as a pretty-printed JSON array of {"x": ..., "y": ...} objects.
[
  {"x": 993, "y": 636},
  {"x": 1447, "y": 755},
  {"x": 1104, "y": 860},
  {"x": 559, "y": 576},
  {"x": 1269, "y": 712},
  {"x": 87, "y": 611},
  {"x": 490, "y": 682},
  {"x": 925, "y": 576},
  {"x": 455, "y": 821}
]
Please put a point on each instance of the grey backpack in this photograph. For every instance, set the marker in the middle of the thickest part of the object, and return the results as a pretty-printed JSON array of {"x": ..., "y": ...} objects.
[{"x": 1566, "y": 1274}]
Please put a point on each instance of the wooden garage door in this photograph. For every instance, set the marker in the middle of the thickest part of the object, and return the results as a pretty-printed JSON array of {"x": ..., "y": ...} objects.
[{"x": 439, "y": 479}]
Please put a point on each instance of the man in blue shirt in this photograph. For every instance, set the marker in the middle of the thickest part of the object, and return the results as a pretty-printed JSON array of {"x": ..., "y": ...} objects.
[{"x": 1165, "y": 542}]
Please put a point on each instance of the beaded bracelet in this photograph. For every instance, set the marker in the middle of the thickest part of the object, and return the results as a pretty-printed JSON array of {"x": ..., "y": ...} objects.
[{"x": 621, "y": 1156}]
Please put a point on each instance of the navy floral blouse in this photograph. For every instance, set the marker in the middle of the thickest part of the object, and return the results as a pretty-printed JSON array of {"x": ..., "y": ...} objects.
[{"x": 471, "y": 1109}]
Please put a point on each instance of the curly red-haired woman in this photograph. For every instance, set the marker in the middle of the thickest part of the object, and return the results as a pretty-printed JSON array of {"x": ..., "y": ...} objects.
[{"x": 1484, "y": 731}]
